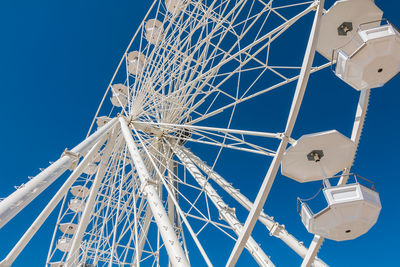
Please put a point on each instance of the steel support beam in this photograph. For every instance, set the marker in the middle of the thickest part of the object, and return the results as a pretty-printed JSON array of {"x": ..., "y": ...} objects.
[
  {"x": 10, "y": 258},
  {"x": 73, "y": 255},
  {"x": 312, "y": 251},
  {"x": 275, "y": 228},
  {"x": 175, "y": 252},
  {"x": 357, "y": 128},
  {"x": 18, "y": 200},
  {"x": 143, "y": 235},
  {"x": 273, "y": 169},
  {"x": 226, "y": 213}
]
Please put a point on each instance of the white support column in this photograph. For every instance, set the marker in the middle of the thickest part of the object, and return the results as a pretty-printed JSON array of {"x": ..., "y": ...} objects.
[
  {"x": 275, "y": 228},
  {"x": 273, "y": 169},
  {"x": 18, "y": 200},
  {"x": 175, "y": 252},
  {"x": 10, "y": 258},
  {"x": 355, "y": 137},
  {"x": 73, "y": 255},
  {"x": 312, "y": 251},
  {"x": 357, "y": 128},
  {"x": 170, "y": 203},
  {"x": 226, "y": 213}
]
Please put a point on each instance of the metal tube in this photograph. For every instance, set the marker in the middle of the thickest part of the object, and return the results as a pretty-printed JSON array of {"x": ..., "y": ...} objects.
[
  {"x": 225, "y": 212},
  {"x": 18, "y": 200},
  {"x": 357, "y": 128},
  {"x": 73, "y": 255},
  {"x": 312, "y": 251},
  {"x": 175, "y": 252},
  {"x": 273, "y": 169},
  {"x": 10, "y": 258},
  {"x": 275, "y": 228}
]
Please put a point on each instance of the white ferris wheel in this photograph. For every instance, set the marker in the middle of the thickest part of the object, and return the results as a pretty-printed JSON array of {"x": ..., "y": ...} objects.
[{"x": 150, "y": 185}]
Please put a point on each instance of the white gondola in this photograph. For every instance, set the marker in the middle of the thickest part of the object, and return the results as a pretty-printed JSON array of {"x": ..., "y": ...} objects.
[
  {"x": 375, "y": 61},
  {"x": 64, "y": 244},
  {"x": 334, "y": 151},
  {"x": 154, "y": 31},
  {"x": 76, "y": 205},
  {"x": 90, "y": 169},
  {"x": 119, "y": 88},
  {"x": 101, "y": 121},
  {"x": 80, "y": 191},
  {"x": 339, "y": 24},
  {"x": 175, "y": 6},
  {"x": 367, "y": 55},
  {"x": 352, "y": 210},
  {"x": 68, "y": 228},
  {"x": 136, "y": 61},
  {"x": 119, "y": 100},
  {"x": 119, "y": 97}
]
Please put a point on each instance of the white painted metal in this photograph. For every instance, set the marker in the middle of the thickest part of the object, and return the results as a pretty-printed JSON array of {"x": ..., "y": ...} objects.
[
  {"x": 73, "y": 255},
  {"x": 179, "y": 210},
  {"x": 275, "y": 228},
  {"x": 226, "y": 213},
  {"x": 338, "y": 152},
  {"x": 119, "y": 100},
  {"x": 80, "y": 191},
  {"x": 14, "y": 203},
  {"x": 120, "y": 88},
  {"x": 90, "y": 169},
  {"x": 136, "y": 61},
  {"x": 165, "y": 85},
  {"x": 64, "y": 244},
  {"x": 76, "y": 205},
  {"x": 355, "y": 135},
  {"x": 175, "y": 6},
  {"x": 358, "y": 125},
  {"x": 354, "y": 11},
  {"x": 313, "y": 250},
  {"x": 352, "y": 210},
  {"x": 154, "y": 31},
  {"x": 68, "y": 228},
  {"x": 101, "y": 121},
  {"x": 143, "y": 234},
  {"x": 204, "y": 128},
  {"x": 175, "y": 252},
  {"x": 57, "y": 264},
  {"x": 10, "y": 258},
  {"x": 374, "y": 62},
  {"x": 273, "y": 169}
]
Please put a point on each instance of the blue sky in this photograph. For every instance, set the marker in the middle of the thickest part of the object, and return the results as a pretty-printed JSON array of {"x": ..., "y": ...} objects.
[{"x": 56, "y": 60}]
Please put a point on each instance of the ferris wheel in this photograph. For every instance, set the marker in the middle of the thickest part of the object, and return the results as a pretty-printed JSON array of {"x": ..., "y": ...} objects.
[{"x": 151, "y": 184}]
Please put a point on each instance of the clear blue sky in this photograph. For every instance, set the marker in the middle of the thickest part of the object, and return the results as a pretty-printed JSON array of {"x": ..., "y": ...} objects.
[{"x": 56, "y": 59}]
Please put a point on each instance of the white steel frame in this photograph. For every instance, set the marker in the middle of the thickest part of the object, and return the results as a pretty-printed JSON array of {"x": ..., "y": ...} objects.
[{"x": 125, "y": 219}]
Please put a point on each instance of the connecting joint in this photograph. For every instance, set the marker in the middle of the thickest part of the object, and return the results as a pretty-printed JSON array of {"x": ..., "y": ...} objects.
[
  {"x": 75, "y": 158},
  {"x": 226, "y": 209},
  {"x": 289, "y": 139},
  {"x": 275, "y": 229},
  {"x": 129, "y": 120},
  {"x": 147, "y": 183},
  {"x": 316, "y": 4}
]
